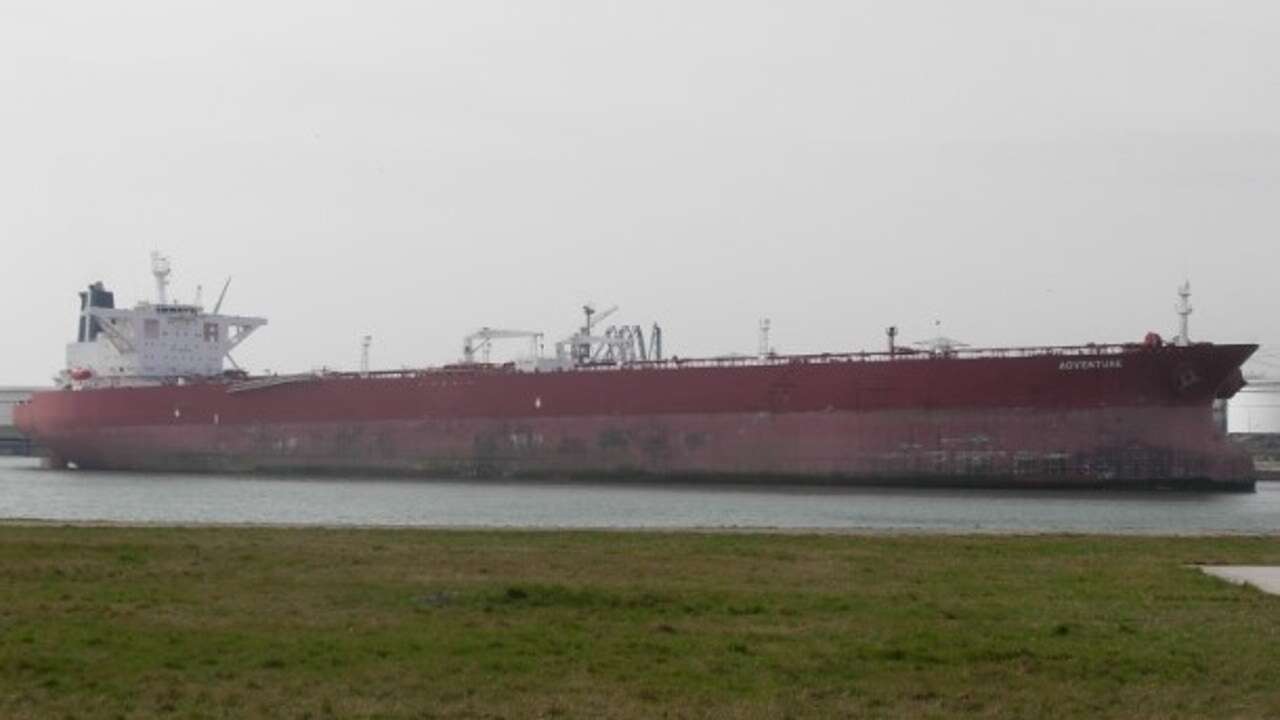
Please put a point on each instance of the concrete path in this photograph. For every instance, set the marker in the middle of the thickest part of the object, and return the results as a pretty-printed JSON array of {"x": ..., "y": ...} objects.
[{"x": 1264, "y": 577}]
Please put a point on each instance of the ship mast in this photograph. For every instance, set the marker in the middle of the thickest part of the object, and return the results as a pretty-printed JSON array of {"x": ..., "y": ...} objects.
[
  {"x": 1184, "y": 310},
  {"x": 763, "y": 349},
  {"x": 160, "y": 269}
]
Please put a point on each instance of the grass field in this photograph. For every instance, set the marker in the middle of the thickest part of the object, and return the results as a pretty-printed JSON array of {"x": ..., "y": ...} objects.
[{"x": 314, "y": 623}]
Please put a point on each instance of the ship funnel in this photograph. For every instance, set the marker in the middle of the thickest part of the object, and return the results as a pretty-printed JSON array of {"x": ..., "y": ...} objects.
[{"x": 97, "y": 296}]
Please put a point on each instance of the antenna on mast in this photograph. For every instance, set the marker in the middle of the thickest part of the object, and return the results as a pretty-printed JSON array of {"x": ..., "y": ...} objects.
[
  {"x": 160, "y": 269},
  {"x": 222, "y": 296},
  {"x": 1184, "y": 310}
]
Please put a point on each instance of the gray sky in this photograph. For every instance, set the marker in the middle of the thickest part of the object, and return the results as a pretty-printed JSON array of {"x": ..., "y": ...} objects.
[{"x": 1027, "y": 172}]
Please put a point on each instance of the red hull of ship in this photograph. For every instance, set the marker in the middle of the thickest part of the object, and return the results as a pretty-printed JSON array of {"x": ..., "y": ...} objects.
[{"x": 1137, "y": 416}]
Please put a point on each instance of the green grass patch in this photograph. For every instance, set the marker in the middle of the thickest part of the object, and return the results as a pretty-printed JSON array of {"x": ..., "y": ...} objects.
[{"x": 316, "y": 623}]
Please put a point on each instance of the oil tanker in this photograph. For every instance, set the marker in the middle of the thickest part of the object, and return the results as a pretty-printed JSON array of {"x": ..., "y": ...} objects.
[{"x": 145, "y": 389}]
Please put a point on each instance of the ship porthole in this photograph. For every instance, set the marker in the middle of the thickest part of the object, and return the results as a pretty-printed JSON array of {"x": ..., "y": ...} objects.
[
  {"x": 177, "y": 413},
  {"x": 537, "y": 403}
]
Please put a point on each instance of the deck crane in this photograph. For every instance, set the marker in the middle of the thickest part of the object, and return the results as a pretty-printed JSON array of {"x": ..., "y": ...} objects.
[
  {"x": 590, "y": 344},
  {"x": 582, "y": 342},
  {"x": 593, "y": 316},
  {"x": 617, "y": 344},
  {"x": 482, "y": 340}
]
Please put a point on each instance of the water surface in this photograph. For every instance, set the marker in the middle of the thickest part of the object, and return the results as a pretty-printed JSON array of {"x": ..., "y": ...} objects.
[{"x": 28, "y": 492}]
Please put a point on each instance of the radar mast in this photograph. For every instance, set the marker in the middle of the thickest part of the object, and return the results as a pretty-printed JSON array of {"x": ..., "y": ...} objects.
[{"x": 160, "y": 269}]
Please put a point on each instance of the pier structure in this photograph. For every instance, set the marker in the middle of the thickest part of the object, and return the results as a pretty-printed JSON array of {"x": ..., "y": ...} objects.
[
  {"x": 13, "y": 442},
  {"x": 1253, "y": 415}
]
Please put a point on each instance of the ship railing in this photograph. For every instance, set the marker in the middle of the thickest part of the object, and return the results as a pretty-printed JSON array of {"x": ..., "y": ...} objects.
[
  {"x": 270, "y": 381},
  {"x": 260, "y": 382},
  {"x": 905, "y": 355}
]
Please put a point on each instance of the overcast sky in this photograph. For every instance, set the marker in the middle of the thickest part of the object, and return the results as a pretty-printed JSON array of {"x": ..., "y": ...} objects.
[{"x": 1025, "y": 172}]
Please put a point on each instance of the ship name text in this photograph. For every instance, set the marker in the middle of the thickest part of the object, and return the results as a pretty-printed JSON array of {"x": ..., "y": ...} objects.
[{"x": 1112, "y": 364}]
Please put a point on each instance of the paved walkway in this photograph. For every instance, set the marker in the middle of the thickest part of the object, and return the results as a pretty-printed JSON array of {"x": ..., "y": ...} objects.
[{"x": 1264, "y": 577}]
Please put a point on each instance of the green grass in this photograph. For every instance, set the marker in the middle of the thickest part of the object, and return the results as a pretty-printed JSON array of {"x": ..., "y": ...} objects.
[{"x": 314, "y": 623}]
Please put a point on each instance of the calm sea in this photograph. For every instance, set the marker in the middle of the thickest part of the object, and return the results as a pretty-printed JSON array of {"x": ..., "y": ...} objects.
[{"x": 28, "y": 492}]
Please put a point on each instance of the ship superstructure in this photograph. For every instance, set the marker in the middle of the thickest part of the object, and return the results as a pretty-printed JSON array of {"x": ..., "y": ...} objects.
[
  {"x": 145, "y": 389},
  {"x": 152, "y": 342}
]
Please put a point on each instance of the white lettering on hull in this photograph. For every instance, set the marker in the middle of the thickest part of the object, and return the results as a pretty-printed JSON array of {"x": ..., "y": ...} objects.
[{"x": 1111, "y": 364}]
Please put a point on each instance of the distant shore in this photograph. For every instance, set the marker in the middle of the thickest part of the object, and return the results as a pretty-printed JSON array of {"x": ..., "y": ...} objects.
[{"x": 102, "y": 619}]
